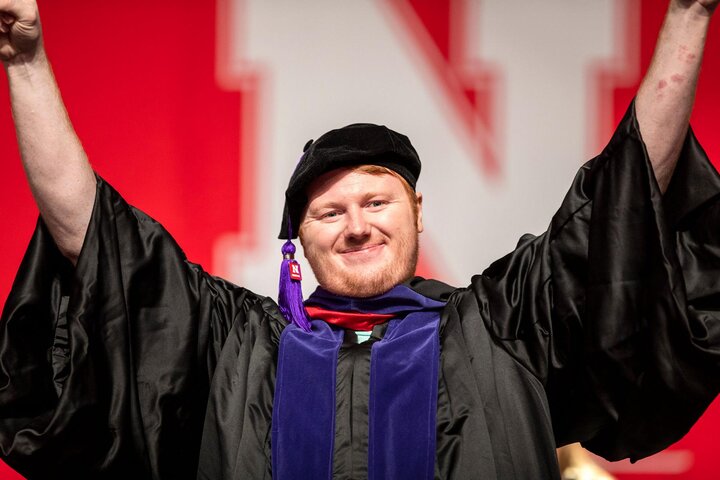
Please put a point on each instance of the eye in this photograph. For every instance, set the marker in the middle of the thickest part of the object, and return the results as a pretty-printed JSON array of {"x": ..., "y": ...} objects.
[
  {"x": 377, "y": 203},
  {"x": 330, "y": 215}
]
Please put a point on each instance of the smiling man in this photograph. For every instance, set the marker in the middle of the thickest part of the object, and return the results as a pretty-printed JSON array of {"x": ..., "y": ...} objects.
[
  {"x": 358, "y": 224},
  {"x": 360, "y": 232},
  {"x": 121, "y": 359}
]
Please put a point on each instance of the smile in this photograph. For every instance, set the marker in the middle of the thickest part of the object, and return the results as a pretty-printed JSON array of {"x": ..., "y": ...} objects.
[{"x": 363, "y": 252}]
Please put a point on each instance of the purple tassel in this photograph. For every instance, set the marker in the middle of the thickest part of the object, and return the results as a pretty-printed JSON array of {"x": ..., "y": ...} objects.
[{"x": 290, "y": 297}]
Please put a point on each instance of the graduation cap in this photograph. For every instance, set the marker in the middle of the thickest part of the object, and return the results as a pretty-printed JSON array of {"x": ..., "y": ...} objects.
[{"x": 356, "y": 144}]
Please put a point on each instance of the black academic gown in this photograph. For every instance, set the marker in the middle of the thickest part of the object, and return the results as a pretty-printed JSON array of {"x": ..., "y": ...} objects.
[{"x": 605, "y": 329}]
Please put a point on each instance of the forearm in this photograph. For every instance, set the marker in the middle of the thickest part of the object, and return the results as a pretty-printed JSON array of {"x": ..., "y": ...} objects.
[
  {"x": 57, "y": 169},
  {"x": 666, "y": 96}
]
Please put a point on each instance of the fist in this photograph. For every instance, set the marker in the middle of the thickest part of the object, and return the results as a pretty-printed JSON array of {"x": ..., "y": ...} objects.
[
  {"x": 707, "y": 6},
  {"x": 19, "y": 29}
]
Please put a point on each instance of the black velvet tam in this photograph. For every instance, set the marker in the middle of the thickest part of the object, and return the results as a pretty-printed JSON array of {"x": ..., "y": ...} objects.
[{"x": 356, "y": 144}]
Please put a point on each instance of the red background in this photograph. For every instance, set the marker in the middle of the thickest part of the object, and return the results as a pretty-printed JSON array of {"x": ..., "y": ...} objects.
[{"x": 138, "y": 80}]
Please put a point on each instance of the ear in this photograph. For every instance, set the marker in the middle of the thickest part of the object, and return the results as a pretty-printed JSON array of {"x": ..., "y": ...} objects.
[{"x": 420, "y": 212}]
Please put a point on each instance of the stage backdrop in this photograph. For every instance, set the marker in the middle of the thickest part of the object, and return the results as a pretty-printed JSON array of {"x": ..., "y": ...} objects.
[{"x": 198, "y": 111}]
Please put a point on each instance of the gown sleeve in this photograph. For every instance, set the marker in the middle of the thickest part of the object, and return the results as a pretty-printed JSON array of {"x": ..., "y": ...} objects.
[
  {"x": 105, "y": 367},
  {"x": 616, "y": 307}
]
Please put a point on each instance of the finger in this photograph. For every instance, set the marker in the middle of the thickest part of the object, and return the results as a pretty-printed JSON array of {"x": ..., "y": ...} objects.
[
  {"x": 7, "y": 6},
  {"x": 6, "y": 49},
  {"x": 25, "y": 30},
  {"x": 19, "y": 10}
]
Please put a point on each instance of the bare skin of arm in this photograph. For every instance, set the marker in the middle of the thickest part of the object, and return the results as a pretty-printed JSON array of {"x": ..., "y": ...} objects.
[
  {"x": 60, "y": 177},
  {"x": 63, "y": 182},
  {"x": 667, "y": 93},
  {"x": 663, "y": 106}
]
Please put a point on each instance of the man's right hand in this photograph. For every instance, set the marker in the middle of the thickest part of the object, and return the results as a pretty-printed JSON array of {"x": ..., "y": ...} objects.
[{"x": 20, "y": 33}]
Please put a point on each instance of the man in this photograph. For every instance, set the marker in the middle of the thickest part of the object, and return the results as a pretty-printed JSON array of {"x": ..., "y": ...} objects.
[{"x": 130, "y": 362}]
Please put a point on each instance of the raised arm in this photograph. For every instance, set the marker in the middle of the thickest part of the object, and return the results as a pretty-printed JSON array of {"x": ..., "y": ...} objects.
[
  {"x": 56, "y": 166},
  {"x": 667, "y": 93}
]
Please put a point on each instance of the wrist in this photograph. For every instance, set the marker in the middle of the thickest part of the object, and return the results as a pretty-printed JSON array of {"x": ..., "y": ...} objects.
[{"x": 24, "y": 65}]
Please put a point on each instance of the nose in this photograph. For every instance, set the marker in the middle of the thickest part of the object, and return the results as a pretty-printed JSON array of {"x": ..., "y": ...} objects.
[{"x": 357, "y": 225}]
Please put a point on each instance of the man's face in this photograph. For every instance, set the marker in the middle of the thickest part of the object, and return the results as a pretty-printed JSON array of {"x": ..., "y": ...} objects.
[{"x": 360, "y": 232}]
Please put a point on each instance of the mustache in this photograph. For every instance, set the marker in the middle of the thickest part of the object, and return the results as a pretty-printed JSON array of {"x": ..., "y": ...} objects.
[{"x": 355, "y": 243}]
